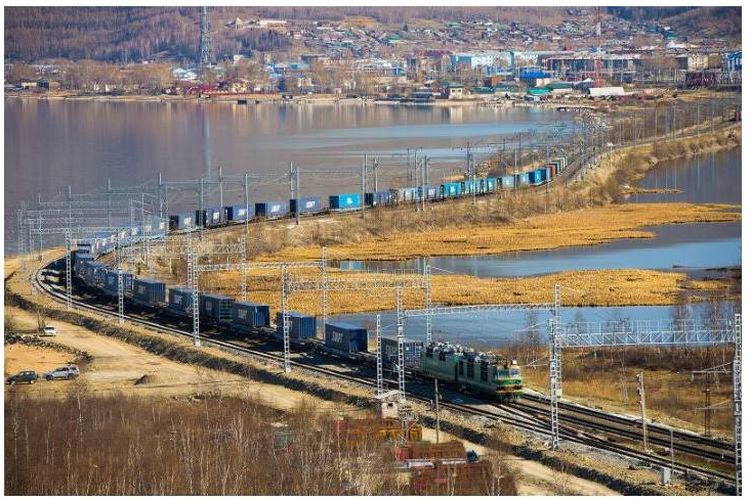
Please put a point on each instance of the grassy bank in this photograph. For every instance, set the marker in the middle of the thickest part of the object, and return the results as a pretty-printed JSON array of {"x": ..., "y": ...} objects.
[
  {"x": 407, "y": 238},
  {"x": 606, "y": 378},
  {"x": 624, "y": 287}
]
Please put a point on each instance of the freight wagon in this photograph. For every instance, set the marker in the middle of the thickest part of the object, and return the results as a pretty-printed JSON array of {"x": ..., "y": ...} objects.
[
  {"x": 343, "y": 202},
  {"x": 246, "y": 315},
  {"x": 345, "y": 338},
  {"x": 148, "y": 292},
  {"x": 301, "y": 326},
  {"x": 181, "y": 300},
  {"x": 238, "y": 213},
  {"x": 271, "y": 209},
  {"x": 309, "y": 205},
  {"x": 215, "y": 308}
]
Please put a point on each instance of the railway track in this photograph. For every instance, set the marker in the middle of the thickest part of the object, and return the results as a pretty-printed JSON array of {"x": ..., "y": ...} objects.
[
  {"x": 630, "y": 428},
  {"x": 524, "y": 415}
]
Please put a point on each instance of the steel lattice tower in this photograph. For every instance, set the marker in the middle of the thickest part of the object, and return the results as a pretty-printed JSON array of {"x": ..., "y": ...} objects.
[{"x": 206, "y": 48}]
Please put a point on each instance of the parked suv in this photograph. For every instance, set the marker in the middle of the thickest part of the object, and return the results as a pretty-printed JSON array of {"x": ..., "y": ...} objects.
[
  {"x": 28, "y": 376},
  {"x": 64, "y": 372}
]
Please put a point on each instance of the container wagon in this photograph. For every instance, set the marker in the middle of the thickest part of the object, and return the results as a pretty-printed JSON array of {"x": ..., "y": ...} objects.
[
  {"x": 301, "y": 326},
  {"x": 412, "y": 352},
  {"x": 181, "y": 300},
  {"x": 215, "y": 307},
  {"x": 148, "y": 292},
  {"x": 111, "y": 287},
  {"x": 246, "y": 315},
  {"x": 521, "y": 180},
  {"x": 405, "y": 195},
  {"x": 210, "y": 217},
  {"x": 238, "y": 213},
  {"x": 344, "y": 202},
  {"x": 181, "y": 221},
  {"x": 450, "y": 189},
  {"x": 309, "y": 205},
  {"x": 507, "y": 182},
  {"x": 378, "y": 198},
  {"x": 271, "y": 209},
  {"x": 345, "y": 338}
]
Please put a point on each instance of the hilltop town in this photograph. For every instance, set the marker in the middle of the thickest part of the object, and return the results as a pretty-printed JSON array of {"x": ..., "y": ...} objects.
[{"x": 456, "y": 54}]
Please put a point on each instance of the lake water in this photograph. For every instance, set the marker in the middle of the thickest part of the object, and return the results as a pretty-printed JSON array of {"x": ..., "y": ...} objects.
[
  {"x": 710, "y": 178},
  {"x": 52, "y": 144},
  {"x": 686, "y": 246}
]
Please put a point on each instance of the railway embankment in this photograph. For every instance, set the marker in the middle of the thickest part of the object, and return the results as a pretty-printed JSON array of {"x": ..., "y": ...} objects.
[{"x": 622, "y": 168}]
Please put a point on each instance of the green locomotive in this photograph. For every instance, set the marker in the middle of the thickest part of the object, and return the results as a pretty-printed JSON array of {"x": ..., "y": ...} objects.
[{"x": 477, "y": 371}]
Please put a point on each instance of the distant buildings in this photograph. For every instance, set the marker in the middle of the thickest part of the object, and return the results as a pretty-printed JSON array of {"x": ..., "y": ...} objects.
[{"x": 733, "y": 61}]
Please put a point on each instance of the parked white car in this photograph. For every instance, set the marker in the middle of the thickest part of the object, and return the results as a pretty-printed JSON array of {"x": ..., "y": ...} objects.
[
  {"x": 64, "y": 372},
  {"x": 48, "y": 331}
]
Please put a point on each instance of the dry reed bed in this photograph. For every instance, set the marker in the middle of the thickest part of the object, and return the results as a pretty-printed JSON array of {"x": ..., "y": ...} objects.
[
  {"x": 623, "y": 287},
  {"x": 606, "y": 378},
  {"x": 590, "y": 226}
]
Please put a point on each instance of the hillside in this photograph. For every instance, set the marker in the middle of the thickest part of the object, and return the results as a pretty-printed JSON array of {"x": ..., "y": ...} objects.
[{"x": 126, "y": 34}]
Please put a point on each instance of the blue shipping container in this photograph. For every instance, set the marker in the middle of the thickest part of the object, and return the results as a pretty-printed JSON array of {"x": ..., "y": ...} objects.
[
  {"x": 238, "y": 213},
  {"x": 412, "y": 351},
  {"x": 210, "y": 216},
  {"x": 215, "y": 307},
  {"x": 149, "y": 292},
  {"x": 345, "y": 337},
  {"x": 378, "y": 198},
  {"x": 490, "y": 184},
  {"x": 309, "y": 205},
  {"x": 181, "y": 300},
  {"x": 522, "y": 179},
  {"x": 348, "y": 201},
  {"x": 450, "y": 189},
  {"x": 111, "y": 286},
  {"x": 185, "y": 220},
  {"x": 508, "y": 181},
  {"x": 271, "y": 209},
  {"x": 247, "y": 314},
  {"x": 301, "y": 326}
]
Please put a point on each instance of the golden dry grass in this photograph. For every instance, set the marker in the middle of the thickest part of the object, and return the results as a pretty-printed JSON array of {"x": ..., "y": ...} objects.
[
  {"x": 609, "y": 381},
  {"x": 623, "y": 287},
  {"x": 591, "y": 226}
]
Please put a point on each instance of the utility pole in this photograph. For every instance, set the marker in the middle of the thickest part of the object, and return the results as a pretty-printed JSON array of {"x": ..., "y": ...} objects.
[
  {"x": 642, "y": 395},
  {"x": 364, "y": 186},
  {"x": 299, "y": 198},
  {"x": 437, "y": 412}
]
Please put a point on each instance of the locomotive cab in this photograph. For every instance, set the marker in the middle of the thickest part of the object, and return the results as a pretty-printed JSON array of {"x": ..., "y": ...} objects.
[{"x": 508, "y": 381}]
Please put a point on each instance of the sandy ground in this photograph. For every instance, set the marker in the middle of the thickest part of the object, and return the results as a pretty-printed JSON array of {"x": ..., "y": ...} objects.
[
  {"x": 20, "y": 357},
  {"x": 116, "y": 366}
]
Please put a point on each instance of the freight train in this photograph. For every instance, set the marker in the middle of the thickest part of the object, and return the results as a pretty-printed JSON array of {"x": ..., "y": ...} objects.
[
  {"x": 469, "y": 370},
  {"x": 268, "y": 210},
  {"x": 213, "y": 217}
]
